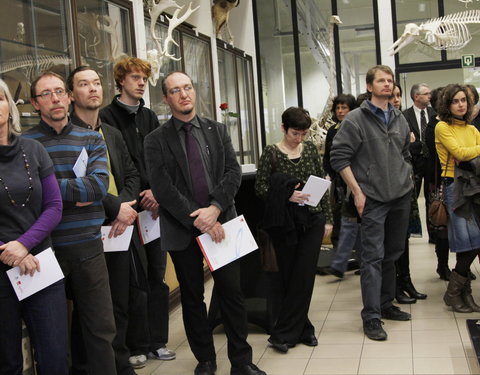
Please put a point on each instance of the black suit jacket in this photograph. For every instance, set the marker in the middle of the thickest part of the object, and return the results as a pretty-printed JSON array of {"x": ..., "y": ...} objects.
[
  {"x": 416, "y": 147},
  {"x": 169, "y": 178}
]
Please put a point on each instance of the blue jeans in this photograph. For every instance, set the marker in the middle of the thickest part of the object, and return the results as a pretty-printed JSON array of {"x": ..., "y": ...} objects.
[
  {"x": 463, "y": 234},
  {"x": 348, "y": 240},
  {"x": 45, "y": 315}
]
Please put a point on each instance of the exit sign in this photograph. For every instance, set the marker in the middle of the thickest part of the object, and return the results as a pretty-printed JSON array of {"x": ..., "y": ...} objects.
[{"x": 468, "y": 61}]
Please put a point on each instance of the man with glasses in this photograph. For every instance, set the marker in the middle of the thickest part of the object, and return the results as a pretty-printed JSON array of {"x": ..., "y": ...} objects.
[
  {"x": 194, "y": 175},
  {"x": 148, "y": 326},
  {"x": 76, "y": 240},
  {"x": 418, "y": 116}
]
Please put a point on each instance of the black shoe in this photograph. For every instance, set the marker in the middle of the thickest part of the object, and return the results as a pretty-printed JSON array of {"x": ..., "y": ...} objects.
[
  {"x": 310, "y": 341},
  {"x": 206, "y": 368},
  {"x": 281, "y": 347},
  {"x": 394, "y": 313},
  {"x": 402, "y": 298},
  {"x": 334, "y": 272},
  {"x": 249, "y": 369},
  {"x": 322, "y": 271},
  {"x": 409, "y": 288},
  {"x": 444, "y": 272},
  {"x": 373, "y": 329},
  {"x": 357, "y": 272},
  {"x": 471, "y": 275}
]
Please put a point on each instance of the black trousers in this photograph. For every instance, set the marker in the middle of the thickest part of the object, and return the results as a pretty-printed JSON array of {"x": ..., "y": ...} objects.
[
  {"x": 88, "y": 283},
  {"x": 295, "y": 280},
  {"x": 189, "y": 269},
  {"x": 118, "y": 264},
  {"x": 158, "y": 295}
]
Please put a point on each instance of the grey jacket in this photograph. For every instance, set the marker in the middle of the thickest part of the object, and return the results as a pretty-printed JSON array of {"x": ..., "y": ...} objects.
[{"x": 377, "y": 153}]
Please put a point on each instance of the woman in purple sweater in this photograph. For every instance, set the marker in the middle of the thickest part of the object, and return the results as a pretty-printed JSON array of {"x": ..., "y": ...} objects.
[{"x": 30, "y": 207}]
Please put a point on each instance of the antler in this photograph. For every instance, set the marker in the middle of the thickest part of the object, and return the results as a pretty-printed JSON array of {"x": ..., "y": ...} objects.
[
  {"x": 156, "y": 56},
  {"x": 172, "y": 24},
  {"x": 155, "y": 9}
]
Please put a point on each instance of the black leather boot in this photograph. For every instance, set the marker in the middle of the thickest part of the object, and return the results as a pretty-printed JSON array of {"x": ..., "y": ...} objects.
[
  {"x": 442, "y": 250},
  {"x": 400, "y": 295},
  {"x": 410, "y": 289},
  {"x": 453, "y": 295}
]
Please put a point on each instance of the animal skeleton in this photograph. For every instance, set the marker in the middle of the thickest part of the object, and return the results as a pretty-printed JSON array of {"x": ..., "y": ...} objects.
[
  {"x": 466, "y": 2},
  {"x": 220, "y": 14},
  {"x": 155, "y": 56},
  {"x": 443, "y": 33},
  {"x": 33, "y": 64},
  {"x": 318, "y": 129}
]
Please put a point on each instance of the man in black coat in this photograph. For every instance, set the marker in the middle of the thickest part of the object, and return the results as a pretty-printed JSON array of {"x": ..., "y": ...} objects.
[
  {"x": 194, "y": 175},
  {"x": 418, "y": 116},
  {"x": 148, "y": 330},
  {"x": 87, "y": 95}
]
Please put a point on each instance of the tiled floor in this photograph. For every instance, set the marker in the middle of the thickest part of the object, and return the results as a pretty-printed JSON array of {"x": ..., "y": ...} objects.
[{"x": 435, "y": 341}]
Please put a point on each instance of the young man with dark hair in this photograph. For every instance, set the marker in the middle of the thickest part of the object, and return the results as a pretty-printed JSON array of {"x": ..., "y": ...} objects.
[{"x": 87, "y": 96}]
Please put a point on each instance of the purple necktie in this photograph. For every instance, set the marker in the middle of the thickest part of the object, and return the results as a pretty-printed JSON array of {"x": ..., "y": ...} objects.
[{"x": 195, "y": 165}]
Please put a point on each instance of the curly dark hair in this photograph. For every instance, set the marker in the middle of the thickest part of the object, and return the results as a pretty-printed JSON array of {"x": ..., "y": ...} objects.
[
  {"x": 347, "y": 99},
  {"x": 446, "y": 99},
  {"x": 296, "y": 118}
]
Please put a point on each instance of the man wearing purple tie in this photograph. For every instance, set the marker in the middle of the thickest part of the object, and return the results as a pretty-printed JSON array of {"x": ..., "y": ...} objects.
[{"x": 194, "y": 176}]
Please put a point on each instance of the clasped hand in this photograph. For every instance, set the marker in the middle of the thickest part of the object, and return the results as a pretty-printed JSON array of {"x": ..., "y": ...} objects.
[
  {"x": 206, "y": 222},
  {"x": 126, "y": 216},
  {"x": 14, "y": 253}
]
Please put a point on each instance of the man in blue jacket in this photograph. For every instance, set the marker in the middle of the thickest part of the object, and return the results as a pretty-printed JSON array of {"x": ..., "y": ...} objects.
[{"x": 371, "y": 153}]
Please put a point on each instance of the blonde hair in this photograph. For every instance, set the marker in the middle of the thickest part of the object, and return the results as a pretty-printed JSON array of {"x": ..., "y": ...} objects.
[{"x": 14, "y": 117}]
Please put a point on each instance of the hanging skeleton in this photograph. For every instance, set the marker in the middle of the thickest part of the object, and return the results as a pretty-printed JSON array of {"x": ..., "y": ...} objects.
[
  {"x": 156, "y": 55},
  {"x": 220, "y": 14},
  {"x": 318, "y": 130},
  {"x": 443, "y": 33}
]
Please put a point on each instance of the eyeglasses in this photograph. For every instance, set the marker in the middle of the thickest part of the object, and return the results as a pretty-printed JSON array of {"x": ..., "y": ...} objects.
[
  {"x": 177, "y": 90},
  {"x": 426, "y": 93},
  {"x": 47, "y": 94}
]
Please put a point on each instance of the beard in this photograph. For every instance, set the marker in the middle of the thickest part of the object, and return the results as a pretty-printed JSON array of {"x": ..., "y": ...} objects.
[{"x": 187, "y": 111}]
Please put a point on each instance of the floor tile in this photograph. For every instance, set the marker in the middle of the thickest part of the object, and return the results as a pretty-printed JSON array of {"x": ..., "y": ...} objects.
[
  {"x": 440, "y": 366},
  {"x": 332, "y": 366},
  {"x": 383, "y": 366}
]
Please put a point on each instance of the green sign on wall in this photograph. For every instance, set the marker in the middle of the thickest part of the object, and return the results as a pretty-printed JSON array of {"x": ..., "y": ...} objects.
[{"x": 468, "y": 61}]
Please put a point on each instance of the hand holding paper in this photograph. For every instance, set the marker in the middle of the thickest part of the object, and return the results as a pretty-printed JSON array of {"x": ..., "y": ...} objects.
[
  {"x": 26, "y": 285},
  {"x": 316, "y": 188}
]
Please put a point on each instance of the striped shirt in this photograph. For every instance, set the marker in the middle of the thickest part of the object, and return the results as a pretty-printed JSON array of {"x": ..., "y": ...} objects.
[{"x": 79, "y": 224}]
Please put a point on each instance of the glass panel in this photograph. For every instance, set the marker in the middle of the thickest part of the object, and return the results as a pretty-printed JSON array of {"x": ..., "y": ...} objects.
[
  {"x": 228, "y": 94},
  {"x": 313, "y": 25},
  {"x": 104, "y": 36},
  {"x": 198, "y": 67},
  {"x": 473, "y": 47},
  {"x": 167, "y": 65},
  {"x": 414, "y": 11},
  {"x": 434, "y": 78},
  {"x": 279, "y": 86},
  {"x": 33, "y": 38},
  {"x": 247, "y": 112},
  {"x": 357, "y": 43}
]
